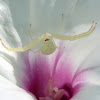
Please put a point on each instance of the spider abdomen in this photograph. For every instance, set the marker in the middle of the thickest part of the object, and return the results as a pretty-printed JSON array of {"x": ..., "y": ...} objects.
[{"x": 48, "y": 47}]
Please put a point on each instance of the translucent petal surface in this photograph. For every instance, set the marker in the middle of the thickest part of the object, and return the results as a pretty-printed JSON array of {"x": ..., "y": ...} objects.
[
  {"x": 79, "y": 59},
  {"x": 91, "y": 91},
  {"x": 9, "y": 91}
]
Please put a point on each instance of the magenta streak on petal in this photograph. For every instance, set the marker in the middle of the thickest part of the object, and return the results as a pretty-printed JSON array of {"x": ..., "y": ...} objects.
[
  {"x": 54, "y": 59},
  {"x": 63, "y": 73},
  {"x": 40, "y": 75},
  {"x": 84, "y": 70},
  {"x": 80, "y": 73},
  {"x": 77, "y": 88},
  {"x": 68, "y": 91},
  {"x": 26, "y": 80},
  {"x": 80, "y": 79},
  {"x": 63, "y": 77}
]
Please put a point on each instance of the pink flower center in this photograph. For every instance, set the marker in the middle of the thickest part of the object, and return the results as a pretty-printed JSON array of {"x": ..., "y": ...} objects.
[{"x": 53, "y": 93}]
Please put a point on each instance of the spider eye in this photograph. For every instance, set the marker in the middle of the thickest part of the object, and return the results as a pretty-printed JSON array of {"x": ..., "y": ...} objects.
[{"x": 47, "y": 39}]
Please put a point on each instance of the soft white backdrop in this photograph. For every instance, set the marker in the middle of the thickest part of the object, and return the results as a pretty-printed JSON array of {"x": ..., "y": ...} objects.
[{"x": 45, "y": 16}]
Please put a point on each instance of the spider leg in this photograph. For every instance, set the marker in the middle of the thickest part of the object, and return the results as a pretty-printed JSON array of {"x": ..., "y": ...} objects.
[
  {"x": 30, "y": 32},
  {"x": 25, "y": 48},
  {"x": 61, "y": 23},
  {"x": 89, "y": 29},
  {"x": 35, "y": 51},
  {"x": 71, "y": 38},
  {"x": 91, "y": 26},
  {"x": 85, "y": 34}
]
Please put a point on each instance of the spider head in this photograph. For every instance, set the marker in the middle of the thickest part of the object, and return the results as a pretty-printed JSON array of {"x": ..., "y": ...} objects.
[{"x": 46, "y": 37}]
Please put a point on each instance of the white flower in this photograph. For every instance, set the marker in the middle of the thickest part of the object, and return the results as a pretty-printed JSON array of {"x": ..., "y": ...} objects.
[{"x": 71, "y": 73}]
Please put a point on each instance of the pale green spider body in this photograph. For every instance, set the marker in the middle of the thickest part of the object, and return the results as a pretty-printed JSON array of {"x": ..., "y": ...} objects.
[{"x": 48, "y": 46}]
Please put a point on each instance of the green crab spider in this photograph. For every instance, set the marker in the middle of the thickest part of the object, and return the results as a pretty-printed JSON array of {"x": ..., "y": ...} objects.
[{"x": 48, "y": 46}]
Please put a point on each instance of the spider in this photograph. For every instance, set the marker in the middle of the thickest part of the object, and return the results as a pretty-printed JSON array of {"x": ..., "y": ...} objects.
[{"x": 48, "y": 46}]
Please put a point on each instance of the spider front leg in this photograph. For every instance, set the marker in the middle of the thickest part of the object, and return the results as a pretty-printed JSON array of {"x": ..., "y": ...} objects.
[
  {"x": 85, "y": 34},
  {"x": 25, "y": 48},
  {"x": 75, "y": 37}
]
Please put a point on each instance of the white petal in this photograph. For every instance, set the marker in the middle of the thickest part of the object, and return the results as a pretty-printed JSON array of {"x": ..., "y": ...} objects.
[
  {"x": 45, "y": 16},
  {"x": 8, "y": 33},
  {"x": 10, "y": 38},
  {"x": 85, "y": 11},
  {"x": 12, "y": 66},
  {"x": 84, "y": 52},
  {"x": 9, "y": 91},
  {"x": 10, "y": 61},
  {"x": 89, "y": 92}
]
